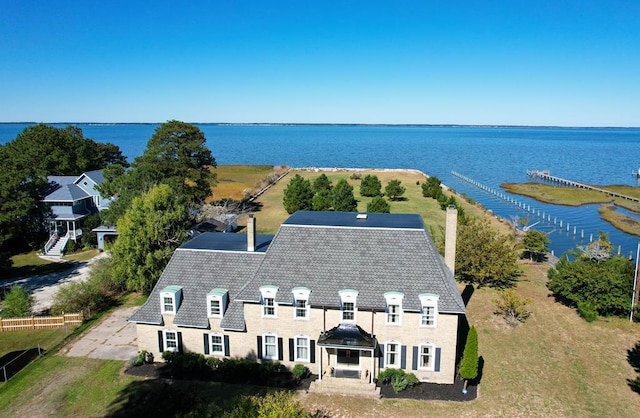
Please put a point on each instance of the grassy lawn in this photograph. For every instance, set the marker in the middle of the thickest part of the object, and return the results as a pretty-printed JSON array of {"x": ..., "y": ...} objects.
[
  {"x": 555, "y": 364},
  {"x": 272, "y": 213},
  {"x": 233, "y": 180},
  {"x": 22, "y": 340}
]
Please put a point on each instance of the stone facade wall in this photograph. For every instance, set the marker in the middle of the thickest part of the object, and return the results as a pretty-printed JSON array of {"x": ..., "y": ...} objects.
[{"x": 245, "y": 344}]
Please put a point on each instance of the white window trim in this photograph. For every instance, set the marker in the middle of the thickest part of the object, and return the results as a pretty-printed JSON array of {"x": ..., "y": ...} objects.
[
  {"x": 173, "y": 292},
  {"x": 211, "y": 351},
  {"x": 264, "y": 346},
  {"x": 428, "y": 300},
  {"x": 269, "y": 293},
  {"x": 398, "y": 353},
  {"x": 164, "y": 302},
  {"x": 221, "y": 295},
  {"x": 165, "y": 340},
  {"x": 432, "y": 355},
  {"x": 301, "y": 294},
  {"x": 348, "y": 296},
  {"x": 394, "y": 299},
  {"x": 308, "y": 346}
]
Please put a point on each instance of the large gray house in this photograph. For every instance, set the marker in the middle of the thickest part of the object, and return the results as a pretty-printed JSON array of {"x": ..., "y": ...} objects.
[{"x": 346, "y": 294}]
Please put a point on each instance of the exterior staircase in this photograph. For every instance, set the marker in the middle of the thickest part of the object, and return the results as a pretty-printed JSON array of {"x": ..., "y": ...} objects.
[
  {"x": 345, "y": 386},
  {"x": 57, "y": 247}
]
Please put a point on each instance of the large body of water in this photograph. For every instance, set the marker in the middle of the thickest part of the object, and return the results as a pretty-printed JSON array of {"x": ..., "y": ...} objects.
[{"x": 489, "y": 155}]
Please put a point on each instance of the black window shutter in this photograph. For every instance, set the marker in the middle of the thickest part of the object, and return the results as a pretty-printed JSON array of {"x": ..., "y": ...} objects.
[
  {"x": 291, "y": 350},
  {"x": 312, "y": 352},
  {"x": 437, "y": 365},
  {"x": 381, "y": 359},
  {"x": 260, "y": 347},
  {"x": 227, "y": 352},
  {"x": 280, "y": 353},
  {"x": 160, "y": 342},
  {"x": 206, "y": 343},
  {"x": 179, "y": 342},
  {"x": 403, "y": 357},
  {"x": 414, "y": 360}
]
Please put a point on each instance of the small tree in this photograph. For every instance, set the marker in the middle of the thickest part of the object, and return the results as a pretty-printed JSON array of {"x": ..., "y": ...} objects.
[
  {"x": 394, "y": 190},
  {"x": 370, "y": 186},
  {"x": 321, "y": 183},
  {"x": 512, "y": 307},
  {"x": 321, "y": 200},
  {"x": 432, "y": 187},
  {"x": 298, "y": 195},
  {"x": 469, "y": 364},
  {"x": 17, "y": 303},
  {"x": 378, "y": 205},
  {"x": 535, "y": 243},
  {"x": 342, "y": 198}
]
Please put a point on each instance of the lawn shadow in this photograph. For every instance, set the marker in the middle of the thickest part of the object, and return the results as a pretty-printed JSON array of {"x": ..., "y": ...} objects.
[{"x": 633, "y": 357}]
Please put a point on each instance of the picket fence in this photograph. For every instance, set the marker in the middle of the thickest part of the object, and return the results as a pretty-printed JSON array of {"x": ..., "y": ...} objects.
[{"x": 39, "y": 322}]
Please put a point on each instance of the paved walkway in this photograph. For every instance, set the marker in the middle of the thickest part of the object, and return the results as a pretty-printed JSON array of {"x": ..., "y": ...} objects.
[{"x": 112, "y": 339}]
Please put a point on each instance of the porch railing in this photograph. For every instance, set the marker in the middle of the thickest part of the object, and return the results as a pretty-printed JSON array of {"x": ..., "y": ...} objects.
[{"x": 53, "y": 239}]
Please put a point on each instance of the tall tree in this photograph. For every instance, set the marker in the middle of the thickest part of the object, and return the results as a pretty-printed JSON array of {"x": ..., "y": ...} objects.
[
  {"x": 394, "y": 189},
  {"x": 370, "y": 186},
  {"x": 298, "y": 195},
  {"x": 469, "y": 363},
  {"x": 175, "y": 155},
  {"x": 61, "y": 151},
  {"x": 148, "y": 233},
  {"x": 484, "y": 257},
  {"x": 342, "y": 197}
]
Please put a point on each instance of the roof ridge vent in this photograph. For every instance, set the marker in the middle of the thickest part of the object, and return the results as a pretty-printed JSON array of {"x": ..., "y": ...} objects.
[{"x": 362, "y": 216}]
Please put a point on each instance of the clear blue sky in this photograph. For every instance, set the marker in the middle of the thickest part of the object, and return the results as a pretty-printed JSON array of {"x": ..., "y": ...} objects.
[{"x": 522, "y": 62}]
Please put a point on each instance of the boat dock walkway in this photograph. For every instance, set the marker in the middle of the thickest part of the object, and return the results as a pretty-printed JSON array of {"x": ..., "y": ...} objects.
[{"x": 544, "y": 175}]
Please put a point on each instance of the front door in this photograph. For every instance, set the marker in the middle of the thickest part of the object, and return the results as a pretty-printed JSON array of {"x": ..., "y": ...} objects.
[{"x": 348, "y": 359}]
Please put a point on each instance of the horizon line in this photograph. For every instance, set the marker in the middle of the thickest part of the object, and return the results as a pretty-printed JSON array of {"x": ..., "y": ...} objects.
[{"x": 446, "y": 125}]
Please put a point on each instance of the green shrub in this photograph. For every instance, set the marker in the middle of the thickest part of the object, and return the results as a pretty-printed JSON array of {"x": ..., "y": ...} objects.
[
  {"x": 300, "y": 371},
  {"x": 406, "y": 381},
  {"x": 213, "y": 362},
  {"x": 512, "y": 307},
  {"x": 99, "y": 292},
  {"x": 17, "y": 303},
  {"x": 587, "y": 311},
  {"x": 387, "y": 375},
  {"x": 399, "y": 379}
]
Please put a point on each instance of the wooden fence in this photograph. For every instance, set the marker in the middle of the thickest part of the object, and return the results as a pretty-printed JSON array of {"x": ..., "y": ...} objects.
[{"x": 39, "y": 322}]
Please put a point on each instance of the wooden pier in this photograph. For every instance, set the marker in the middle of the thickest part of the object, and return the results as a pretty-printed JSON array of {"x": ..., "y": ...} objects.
[{"x": 544, "y": 175}]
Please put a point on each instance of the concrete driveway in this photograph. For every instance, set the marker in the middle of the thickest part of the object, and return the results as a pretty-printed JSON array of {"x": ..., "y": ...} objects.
[{"x": 112, "y": 339}]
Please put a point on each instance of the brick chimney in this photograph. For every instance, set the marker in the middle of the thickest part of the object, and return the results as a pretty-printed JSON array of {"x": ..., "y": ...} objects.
[
  {"x": 251, "y": 233},
  {"x": 451, "y": 232}
]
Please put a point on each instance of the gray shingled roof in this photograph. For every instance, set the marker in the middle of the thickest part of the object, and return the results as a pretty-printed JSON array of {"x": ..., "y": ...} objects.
[
  {"x": 367, "y": 258},
  {"x": 96, "y": 176},
  {"x": 389, "y": 253},
  {"x": 198, "y": 272}
]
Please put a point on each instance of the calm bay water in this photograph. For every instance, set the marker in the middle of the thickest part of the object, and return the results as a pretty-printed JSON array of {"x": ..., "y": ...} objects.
[{"x": 488, "y": 155}]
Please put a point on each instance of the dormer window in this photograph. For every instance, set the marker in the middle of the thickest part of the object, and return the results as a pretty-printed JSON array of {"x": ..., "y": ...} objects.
[
  {"x": 269, "y": 301},
  {"x": 394, "y": 308},
  {"x": 429, "y": 310},
  {"x": 217, "y": 303},
  {"x": 170, "y": 298},
  {"x": 348, "y": 304},
  {"x": 300, "y": 303}
]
